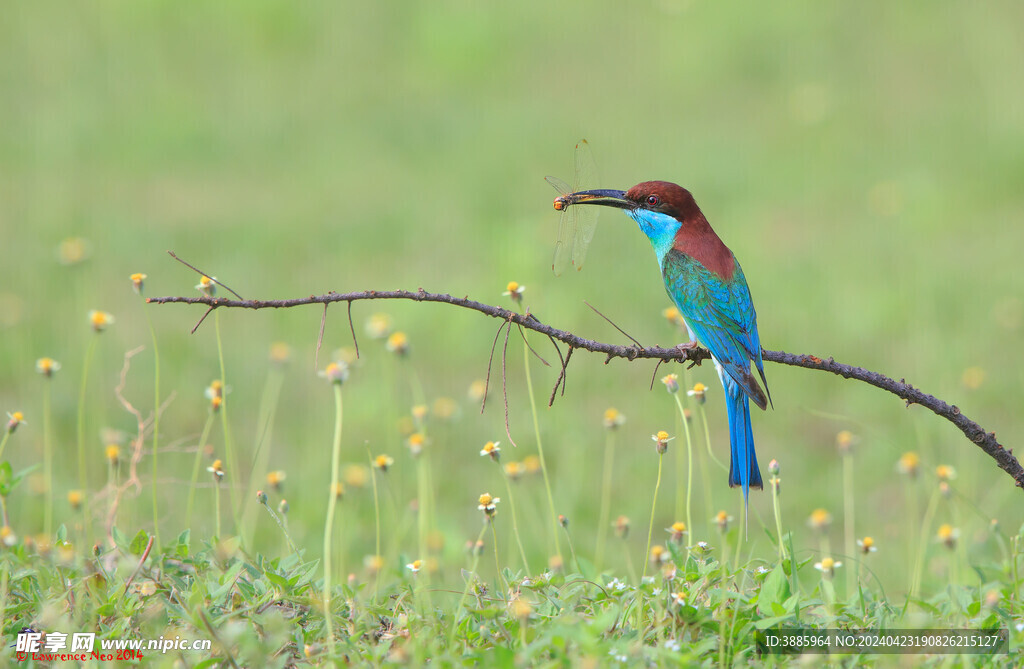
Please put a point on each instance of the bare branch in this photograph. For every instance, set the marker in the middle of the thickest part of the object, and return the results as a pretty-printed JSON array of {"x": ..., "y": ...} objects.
[
  {"x": 974, "y": 432},
  {"x": 202, "y": 273},
  {"x": 612, "y": 323}
]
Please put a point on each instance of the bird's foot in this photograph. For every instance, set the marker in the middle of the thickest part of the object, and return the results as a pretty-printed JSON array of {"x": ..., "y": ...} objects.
[{"x": 685, "y": 349}]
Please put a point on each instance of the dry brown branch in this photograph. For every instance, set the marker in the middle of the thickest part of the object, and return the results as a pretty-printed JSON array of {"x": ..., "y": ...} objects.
[{"x": 986, "y": 441}]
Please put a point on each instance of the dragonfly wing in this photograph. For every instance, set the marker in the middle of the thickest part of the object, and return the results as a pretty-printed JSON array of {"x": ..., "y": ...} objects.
[
  {"x": 558, "y": 185},
  {"x": 563, "y": 244},
  {"x": 586, "y": 170},
  {"x": 586, "y": 217},
  {"x": 564, "y": 249},
  {"x": 586, "y": 221}
]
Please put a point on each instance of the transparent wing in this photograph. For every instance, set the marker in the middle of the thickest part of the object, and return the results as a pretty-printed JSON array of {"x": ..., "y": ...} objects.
[
  {"x": 583, "y": 232},
  {"x": 585, "y": 169},
  {"x": 558, "y": 185},
  {"x": 585, "y": 217},
  {"x": 563, "y": 244}
]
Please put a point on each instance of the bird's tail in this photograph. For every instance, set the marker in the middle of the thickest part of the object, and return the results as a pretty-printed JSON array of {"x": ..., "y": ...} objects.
[{"x": 743, "y": 469}]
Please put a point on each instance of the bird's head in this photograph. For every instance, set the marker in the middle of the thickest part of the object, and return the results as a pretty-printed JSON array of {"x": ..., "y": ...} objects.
[{"x": 660, "y": 208}]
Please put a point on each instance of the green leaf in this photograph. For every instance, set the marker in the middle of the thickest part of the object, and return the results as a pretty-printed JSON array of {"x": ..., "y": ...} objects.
[
  {"x": 6, "y": 479},
  {"x": 280, "y": 582},
  {"x": 774, "y": 590},
  {"x": 119, "y": 538},
  {"x": 138, "y": 544}
]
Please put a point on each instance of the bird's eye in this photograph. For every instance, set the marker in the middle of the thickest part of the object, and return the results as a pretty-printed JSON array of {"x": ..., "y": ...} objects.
[{"x": 652, "y": 200}]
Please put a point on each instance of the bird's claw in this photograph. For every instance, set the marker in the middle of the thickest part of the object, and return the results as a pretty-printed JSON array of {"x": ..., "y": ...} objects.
[{"x": 685, "y": 349}]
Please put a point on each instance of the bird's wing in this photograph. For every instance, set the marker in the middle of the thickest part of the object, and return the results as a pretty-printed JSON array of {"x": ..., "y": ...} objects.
[{"x": 722, "y": 316}]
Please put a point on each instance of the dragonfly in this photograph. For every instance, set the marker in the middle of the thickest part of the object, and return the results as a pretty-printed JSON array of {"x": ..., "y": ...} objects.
[{"x": 576, "y": 224}]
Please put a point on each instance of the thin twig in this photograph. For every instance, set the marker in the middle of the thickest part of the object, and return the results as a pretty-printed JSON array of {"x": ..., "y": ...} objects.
[
  {"x": 202, "y": 273},
  {"x": 612, "y": 323},
  {"x": 138, "y": 568},
  {"x": 560, "y": 381},
  {"x": 654, "y": 374},
  {"x": 975, "y": 433},
  {"x": 352, "y": 329},
  {"x": 490, "y": 361},
  {"x": 504, "y": 384},
  {"x": 320, "y": 337},
  {"x": 203, "y": 318},
  {"x": 527, "y": 342}
]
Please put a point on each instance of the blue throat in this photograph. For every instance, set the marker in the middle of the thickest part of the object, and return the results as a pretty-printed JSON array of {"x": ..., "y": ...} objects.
[{"x": 660, "y": 229}]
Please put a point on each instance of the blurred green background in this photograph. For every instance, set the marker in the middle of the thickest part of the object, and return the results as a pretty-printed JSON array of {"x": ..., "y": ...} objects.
[{"x": 865, "y": 162}]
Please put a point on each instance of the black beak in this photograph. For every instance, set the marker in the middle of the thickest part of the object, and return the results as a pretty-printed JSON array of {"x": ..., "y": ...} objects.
[{"x": 604, "y": 197}]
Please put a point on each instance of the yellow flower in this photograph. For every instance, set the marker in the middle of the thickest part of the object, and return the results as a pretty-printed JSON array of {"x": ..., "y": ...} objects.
[
  {"x": 488, "y": 504},
  {"x": 948, "y": 535},
  {"x": 909, "y": 464},
  {"x": 275, "y": 479},
  {"x": 514, "y": 291},
  {"x": 217, "y": 469},
  {"x": 398, "y": 343},
  {"x": 75, "y": 499},
  {"x": 613, "y": 418},
  {"x": 382, "y": 462},
  {"x": 415, "y": 566},
  {"x": 100, "y": 320},
  {"x": 867, "y": 545},
  {"x": 671, "y": 382},
  {"x": 945, "y": 472},
  {"x": 416, "y": 441},
  {"x": 677, "y": 531},
  {"x": 47, "y": 366},
  {"x": 532, "y": 464},
  {"x": 338, "y": 489},
  {"x": 477, "y": 390},
  {"x": 280, "y": 353},
  {"x": 491, "y": 450},
  {"x": 845, "y": 441},
  {"x": 378, "y": 326},
  {"x": 672, "y": 315},
  {"x": 820, "y": 520},
  {"x": 827, "y": 566},
  {"x": 658, "y": 555},
  {"x": 355, "y": 476},
  {"x": 514, "y": 470},
  {"x": 622, "y": 527},
  {"x": 207, "y": 286},
  {"x": 335, "y": 372},
  {"x": 113, "y": 453},
  {"x": 445, "y": 408},
  {"x": 698, "y": 393},
  {"x": 7, "y": 536},
  {"x": 521, "y": 609},
  {"x": 73, "y": 250},
  {"x": 679, "y": 598},
  {"x": 722, "y": 519},
  {"x": 16, "y": 419},
  {"x": 661, "y": 440},
  {"x": 137, "y": 280},
  {"x": 973, "y": 378},
  {"x": 374, "y": 563},
  {"x": 419, "y": 413}
]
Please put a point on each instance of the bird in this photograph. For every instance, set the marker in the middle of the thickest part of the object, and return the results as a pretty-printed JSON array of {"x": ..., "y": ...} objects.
[{"x": 707, "y": 285}]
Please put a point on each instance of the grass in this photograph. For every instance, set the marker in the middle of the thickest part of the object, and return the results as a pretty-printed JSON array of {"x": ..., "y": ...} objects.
[{"x": 871, "y": 206}]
